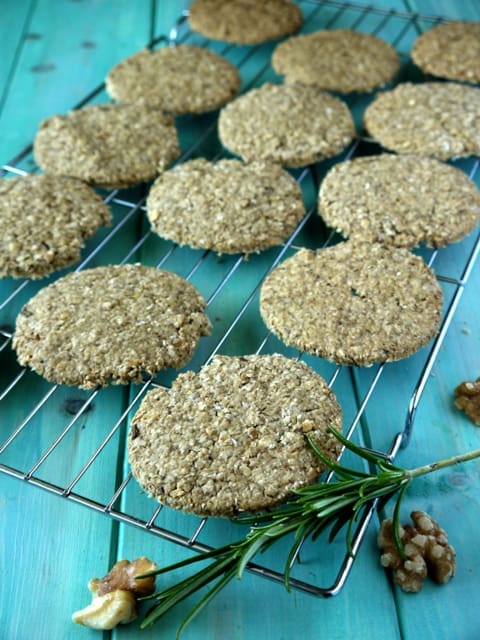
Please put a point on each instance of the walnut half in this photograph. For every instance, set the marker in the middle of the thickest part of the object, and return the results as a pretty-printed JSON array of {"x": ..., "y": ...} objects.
[
  {"x": 115, "y": 595},
  {"x": 426, "y": 549},
  {"x": 467, "y": 399}
]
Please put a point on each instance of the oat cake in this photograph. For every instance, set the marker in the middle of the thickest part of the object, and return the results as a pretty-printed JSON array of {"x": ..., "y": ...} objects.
[
  {"x": 110, "y": 325},
  {"x": 231, "y": 438},
  {"x": 244, "y": 21},
  {"x": 400, "y": 200},
  {"x": 450, "y": 50},
  {"x": 438, "y": 119},
  {"x": 111, "y": 145},
  {"x": 337, "y": 60},
  {"x": 45, "y": 221},
  {"x": 353, "y": 303},
  {"x": 178, "y": 79},
  {"x": 226, "y": 206},
  {"x": 291, "y": 125}
]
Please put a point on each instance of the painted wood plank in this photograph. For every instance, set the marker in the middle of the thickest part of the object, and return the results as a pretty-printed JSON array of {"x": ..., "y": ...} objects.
[
  {"x": 42, "y": 529},
  {"x": 45, "y": 544},
  {"x": 13, "y": 32},
  {"x": 76, "y": 44},
  {"x": 297, "y": 612},
  {"x": 237, "y": 614},
  {"x": 440, "y": 430}
]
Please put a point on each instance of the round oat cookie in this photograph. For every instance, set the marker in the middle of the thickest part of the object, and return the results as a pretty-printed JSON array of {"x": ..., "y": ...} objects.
[
  {"x": 108, "y": 325},
  {"x": 439, "y": 119},
  {"x": 231, "y": 438},
  {"x": 180, "y": 79},
  {"x": 400, "y": 200},
  {"x": 450, "y": 50},
  {"x": 226, "y": 206},
  {"x": 45, "y": 220},
  {"x": 244, "y": 21},
  {"x": 112, "y": 145},
  {"x": 354, "y": 303},
  {"x": 338, "y": 60},
  {"x": 292, "y": 125}
]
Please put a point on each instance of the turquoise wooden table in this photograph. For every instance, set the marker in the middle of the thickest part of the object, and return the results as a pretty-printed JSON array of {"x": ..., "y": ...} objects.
[{"x": 69, "y": 509}]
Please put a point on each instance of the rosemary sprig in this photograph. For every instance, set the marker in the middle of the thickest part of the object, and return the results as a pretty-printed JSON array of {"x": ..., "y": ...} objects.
[{"x": 311, "y": 511}]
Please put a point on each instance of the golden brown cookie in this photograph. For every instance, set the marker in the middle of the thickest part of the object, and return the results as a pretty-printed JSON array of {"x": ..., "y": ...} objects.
[
  {"x": 231, "y": 437},
  {"x": 110, "y": 325},
  {"x": 180, "y": 79},
  {"x": 45, "y": 220},
  {"x": 450, "y": 50},
  {"x": 400, "y": 200},
  {"x": 338, "y": 60},
  {"x": 353, "y": 303},
  {"x": 439, "y": 119},
  {"x": 244, "y": 21},
  {"x": 292, "y": 125},
  {"x": 112, "y": 145},
  {"x": 226, "y": 206}
]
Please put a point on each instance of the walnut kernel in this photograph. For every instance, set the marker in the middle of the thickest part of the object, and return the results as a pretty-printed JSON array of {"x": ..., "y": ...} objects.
[
  {"x": 426, "y": 551},
  {"x": 467, "y": 399},
  {"x": 115, "y": 595}
]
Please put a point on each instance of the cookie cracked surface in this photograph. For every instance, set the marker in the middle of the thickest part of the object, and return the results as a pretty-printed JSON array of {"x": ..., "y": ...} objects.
[
  {"x": 226, "y": 206},
  {"x": 400, "y": 200},
  {"x": 45, "y": 220},
  {"x": 291, "y": 125},
  {"x": 111, "y": 145},
  {"x": 337, "y": 60},
  {"x": 179, "y": 79},
  {"x": 110, "y": 325},
  {"x": 354, "y": 303},
  {"x": 231, "y": 437}
]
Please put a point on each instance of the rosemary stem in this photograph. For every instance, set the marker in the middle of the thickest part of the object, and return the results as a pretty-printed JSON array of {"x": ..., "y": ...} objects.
[{"x": 441, "y": 464}]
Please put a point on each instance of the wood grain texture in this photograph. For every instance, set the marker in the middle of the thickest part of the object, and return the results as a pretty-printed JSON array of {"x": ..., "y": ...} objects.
[
  {"x": 51, "y": 547},
  {"x": 74, "y": 46}
]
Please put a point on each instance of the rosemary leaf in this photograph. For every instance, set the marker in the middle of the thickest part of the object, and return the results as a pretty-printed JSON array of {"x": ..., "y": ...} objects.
[
  {"x": 171, "y": 596},
  {"x": 206, "y": 599}
]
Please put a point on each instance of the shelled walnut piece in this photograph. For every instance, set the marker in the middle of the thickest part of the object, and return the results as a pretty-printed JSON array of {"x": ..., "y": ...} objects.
[
  {"x": 115, "y": 595},
  {"x": 467, "y": 399},
  {"x": 426, "y": 549}
]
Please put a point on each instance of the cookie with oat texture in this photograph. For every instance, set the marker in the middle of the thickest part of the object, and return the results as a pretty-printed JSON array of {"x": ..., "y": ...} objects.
[
  {"x": 450, "y": 50},
  {"x": 438, "y": 119},
  {"x": 354, "y": 303},
  {"x": 46, "y": 220},
  {"x": 110, "y": 325},
  {"x": 244, "y": 21},
  {"x": 292, "y": 125},
  {"x": 179, "y": 79},
  {"x": 231, "y": 438},
  {"x": 226, "y": 206},
  {"x": 336, "y": 60},
  {"x": 399, "y": 200},
  {"x": 110, "y": 145}
]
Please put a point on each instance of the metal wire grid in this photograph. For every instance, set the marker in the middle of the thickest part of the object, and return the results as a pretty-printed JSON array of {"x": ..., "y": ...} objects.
[{"x": 329, "y": 13}]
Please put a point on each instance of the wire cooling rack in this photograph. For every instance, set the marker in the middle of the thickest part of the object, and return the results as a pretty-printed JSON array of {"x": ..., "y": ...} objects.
[{"x": 231, "y": 286}]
